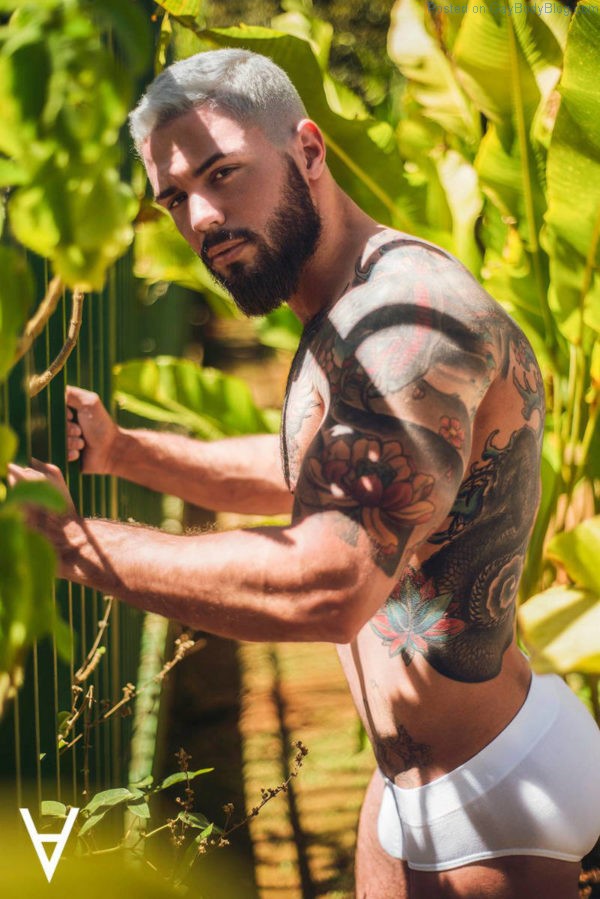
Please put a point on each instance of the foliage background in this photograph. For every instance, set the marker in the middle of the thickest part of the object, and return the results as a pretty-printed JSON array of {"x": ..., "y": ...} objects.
[{"x": 475, "y": 129}]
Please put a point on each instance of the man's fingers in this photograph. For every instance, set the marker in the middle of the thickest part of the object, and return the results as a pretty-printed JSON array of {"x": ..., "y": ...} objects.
[
  {"x": 45, "y": 468},
  {"x": 77, "y": 397},
  {"x": 18, "y": 473}
]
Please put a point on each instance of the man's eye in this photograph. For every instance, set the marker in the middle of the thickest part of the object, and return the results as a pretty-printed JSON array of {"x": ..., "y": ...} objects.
[
  {"x": 220, "y": 174},
  {"x": 176, "y": 201}
]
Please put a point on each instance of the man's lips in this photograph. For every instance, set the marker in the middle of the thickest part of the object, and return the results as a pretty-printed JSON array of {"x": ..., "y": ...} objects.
[{"x": 224, "y": 249}]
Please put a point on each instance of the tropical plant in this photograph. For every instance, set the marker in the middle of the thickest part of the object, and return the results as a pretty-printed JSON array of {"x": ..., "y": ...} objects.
[{"x": 63, "y": 99}]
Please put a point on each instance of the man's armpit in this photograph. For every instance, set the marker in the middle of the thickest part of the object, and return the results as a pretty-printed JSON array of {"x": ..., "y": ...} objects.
[{"x": 386, "y": 485}]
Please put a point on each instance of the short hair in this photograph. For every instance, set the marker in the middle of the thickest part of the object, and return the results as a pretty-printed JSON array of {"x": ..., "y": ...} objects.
[{"x": 247, "y": 86}]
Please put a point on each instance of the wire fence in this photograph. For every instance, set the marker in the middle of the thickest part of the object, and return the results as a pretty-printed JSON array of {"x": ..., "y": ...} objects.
[{"x": 41, "y": 757}]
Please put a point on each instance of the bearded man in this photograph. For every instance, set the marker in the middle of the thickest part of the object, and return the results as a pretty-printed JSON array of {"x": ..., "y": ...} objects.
[{"x": 409, "y": 459}]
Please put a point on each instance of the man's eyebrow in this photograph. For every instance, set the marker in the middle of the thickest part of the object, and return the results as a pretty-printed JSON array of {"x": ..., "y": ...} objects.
[{"x": 169, "y": 191}]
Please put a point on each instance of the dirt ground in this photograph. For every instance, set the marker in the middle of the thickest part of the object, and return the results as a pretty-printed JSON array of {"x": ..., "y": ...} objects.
[{"x": 303, "y": 841}]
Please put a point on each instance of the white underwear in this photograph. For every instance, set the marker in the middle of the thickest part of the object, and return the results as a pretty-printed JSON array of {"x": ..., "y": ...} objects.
[{"x": 534, "y": 790}]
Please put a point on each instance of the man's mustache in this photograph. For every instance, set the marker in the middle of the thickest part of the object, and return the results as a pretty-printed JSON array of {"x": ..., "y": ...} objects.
[{"x": 214, "y": 238}]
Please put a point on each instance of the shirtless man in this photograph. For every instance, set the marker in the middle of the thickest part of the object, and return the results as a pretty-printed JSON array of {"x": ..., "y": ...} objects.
[{"x": 409, "y": 459}]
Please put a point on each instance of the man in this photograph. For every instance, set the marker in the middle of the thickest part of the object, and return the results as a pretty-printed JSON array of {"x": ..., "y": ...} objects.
[{"x": 410, "y": 454}]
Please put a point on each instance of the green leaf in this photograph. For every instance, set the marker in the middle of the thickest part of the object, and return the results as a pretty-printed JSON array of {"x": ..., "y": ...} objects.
[
  {"x": 16, "y": 295},
  {"x": 180, "y": 777},
  {"x": 500, "y": 73},
  {"x": 578, "y": 551},
  {"x": 141, "y": 784},
  {"x": 465, "y": 200},
  {"x": 37, "y": 493},
  {"x": 54, "y": 809},
  {"x": 573, "y": 218},
  {"x": 108, "y": 798},
  {"x": 551, "y": 484},
  {"x": 62, "y": 719},
  {"x": 140, "y": 808},
  {"x": 129, "y": 25},
  {"x": 91, "y": 822},
  {"x": 205, "y": 401},
  {"x": 199, "y": 822},
  {"x": 8, "y": 448},
  {"x": 280, "y": 329},
  {"x": 182, "y": 8},
  {"x": 431, "y": 78},
  {"x": 561, "y": 628}
]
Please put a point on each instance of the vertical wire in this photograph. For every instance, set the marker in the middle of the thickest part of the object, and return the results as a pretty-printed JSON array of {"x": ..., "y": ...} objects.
[
  {"x": 71, "y": 618},
  {"x": 110, "y": 358},
  {"x": 115, "y": 666},
  {"x": 36, "y": 688},
  {"x": 54, "y": 598},
  {"x": 80, "y": 482},
  {"x": 16, "y": 707}
]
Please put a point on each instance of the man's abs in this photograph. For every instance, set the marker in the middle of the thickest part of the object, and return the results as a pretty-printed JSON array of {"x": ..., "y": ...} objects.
[{"x": 422, "y": 724}]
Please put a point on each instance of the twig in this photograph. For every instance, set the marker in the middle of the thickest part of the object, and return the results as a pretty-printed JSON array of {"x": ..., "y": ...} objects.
[
  {"x": 39, "y": 320},
  {"x": 95, "y": 654},
  {"x": 38, "y": 382}
]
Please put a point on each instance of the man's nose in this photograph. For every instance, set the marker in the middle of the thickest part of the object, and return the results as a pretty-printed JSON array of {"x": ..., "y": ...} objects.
[{"x": 204, "y": 214}]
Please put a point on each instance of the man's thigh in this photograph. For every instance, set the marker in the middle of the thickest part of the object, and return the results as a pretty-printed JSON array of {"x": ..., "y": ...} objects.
[
  {"x": 379, "y": 876},
  {"x": 513, "y": 877}
]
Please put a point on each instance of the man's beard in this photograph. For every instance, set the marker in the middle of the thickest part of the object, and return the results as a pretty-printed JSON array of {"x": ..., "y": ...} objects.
[{"x": 293, "y": 234}]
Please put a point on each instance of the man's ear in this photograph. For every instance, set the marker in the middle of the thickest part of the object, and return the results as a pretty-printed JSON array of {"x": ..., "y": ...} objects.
[{"x": 312, "y": 147}]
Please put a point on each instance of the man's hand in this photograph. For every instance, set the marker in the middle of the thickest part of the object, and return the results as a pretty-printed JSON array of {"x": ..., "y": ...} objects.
[
  {"x": 92, "y": 433},
  {"x": 42, "y": 471},
  {"x": 56, "y": 527}
]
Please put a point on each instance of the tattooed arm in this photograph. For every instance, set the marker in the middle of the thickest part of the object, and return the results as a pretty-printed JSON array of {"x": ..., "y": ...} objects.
[{"x": 382, "y": 472}]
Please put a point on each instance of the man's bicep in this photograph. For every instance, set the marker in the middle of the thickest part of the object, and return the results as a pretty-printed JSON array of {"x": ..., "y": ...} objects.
[{"x": 394, "y": 484}]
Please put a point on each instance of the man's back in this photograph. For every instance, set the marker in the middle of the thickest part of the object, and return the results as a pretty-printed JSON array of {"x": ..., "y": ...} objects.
[{"x": 416, "y": 380}]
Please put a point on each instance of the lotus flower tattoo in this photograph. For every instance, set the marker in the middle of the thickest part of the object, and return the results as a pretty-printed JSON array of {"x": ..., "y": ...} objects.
[
  {"x": 377, "y": 482},
  {"x": 415, "y": 616}
]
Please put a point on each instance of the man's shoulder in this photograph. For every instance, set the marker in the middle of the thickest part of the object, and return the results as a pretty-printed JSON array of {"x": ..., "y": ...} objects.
[{"x": 406, "y": 282}]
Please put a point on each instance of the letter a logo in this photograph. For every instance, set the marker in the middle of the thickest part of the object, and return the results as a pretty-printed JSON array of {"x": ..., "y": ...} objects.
[{"x": 38, "y": 839}]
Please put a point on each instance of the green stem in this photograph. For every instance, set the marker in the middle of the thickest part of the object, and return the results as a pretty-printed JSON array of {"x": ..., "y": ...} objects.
[
  {"x": 156, "y": 830},
  {"x": 588, "y": 436},
  {"x": 574, "y": 434},
  {"x": 588, "y": 273},
  {"x": 534, "y": 246}
]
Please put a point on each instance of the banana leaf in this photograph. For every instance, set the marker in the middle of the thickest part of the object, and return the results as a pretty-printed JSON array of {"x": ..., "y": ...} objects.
[
  {"x": 561, "y": 629},
  {"x": 431, "y": 77},
  {"x": 203, "y": 401},
  {"x": 573, "y": 217}
]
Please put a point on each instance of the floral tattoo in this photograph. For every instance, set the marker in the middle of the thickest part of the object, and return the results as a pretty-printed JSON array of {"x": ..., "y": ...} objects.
[{"x": 376, "y": 483}]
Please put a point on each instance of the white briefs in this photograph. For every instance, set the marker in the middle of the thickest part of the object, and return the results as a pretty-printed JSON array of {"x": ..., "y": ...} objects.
[{"x": 534, "y": 790}]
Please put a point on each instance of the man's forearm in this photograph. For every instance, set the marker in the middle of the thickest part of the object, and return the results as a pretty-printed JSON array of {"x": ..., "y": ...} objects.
[
  {"x": 238, "y": 474},
  {"x": 259, "y": 584}
]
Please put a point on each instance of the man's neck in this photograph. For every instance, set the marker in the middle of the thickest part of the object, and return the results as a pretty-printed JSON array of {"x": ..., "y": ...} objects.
[{"x": 345, "y": 231}]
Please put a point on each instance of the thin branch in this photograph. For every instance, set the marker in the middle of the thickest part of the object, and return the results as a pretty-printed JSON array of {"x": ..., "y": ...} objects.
[
  {"x": 38, "y": 322},
  {"x": 38, "y": 382},
  {"x": 95, "y": 654}
]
